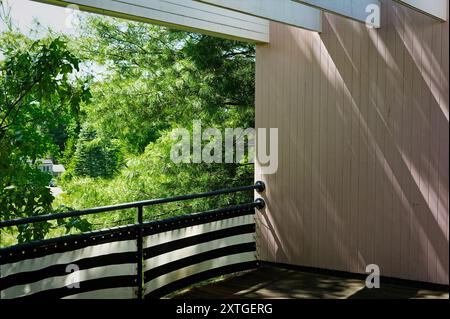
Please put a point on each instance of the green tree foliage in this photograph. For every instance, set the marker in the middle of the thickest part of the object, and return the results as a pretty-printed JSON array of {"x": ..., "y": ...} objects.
[
  {"x": 38, "y": 92},
  {"x": 158, "y": 79},
  {"x": 95, "y": 156},
  {"x": 114, "y": 137}
]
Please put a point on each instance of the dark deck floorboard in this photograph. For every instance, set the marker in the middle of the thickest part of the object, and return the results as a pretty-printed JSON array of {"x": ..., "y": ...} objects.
[{"x": 272, "y": 282}]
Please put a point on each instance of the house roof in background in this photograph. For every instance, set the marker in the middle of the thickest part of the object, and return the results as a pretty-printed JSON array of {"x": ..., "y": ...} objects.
[{"x": 58, "y": 168}]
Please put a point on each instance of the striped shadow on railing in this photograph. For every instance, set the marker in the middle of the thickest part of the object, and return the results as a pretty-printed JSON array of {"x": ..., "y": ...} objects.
[{"x": 148, "y": 260}]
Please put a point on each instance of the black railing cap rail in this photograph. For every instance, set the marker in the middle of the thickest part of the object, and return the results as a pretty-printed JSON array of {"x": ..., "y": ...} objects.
[
  {"x": 258, "y": 186},
  {"x": 131, "y": 229}
]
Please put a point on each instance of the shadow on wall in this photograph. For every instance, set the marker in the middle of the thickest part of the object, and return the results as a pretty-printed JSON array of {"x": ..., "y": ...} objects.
[{"x": 364, "y": 135}]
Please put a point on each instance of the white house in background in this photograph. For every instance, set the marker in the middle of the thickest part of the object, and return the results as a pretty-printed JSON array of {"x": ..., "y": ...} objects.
[
  {"x": 46, "y": 165},
  {"x": 58, "y": 169}
]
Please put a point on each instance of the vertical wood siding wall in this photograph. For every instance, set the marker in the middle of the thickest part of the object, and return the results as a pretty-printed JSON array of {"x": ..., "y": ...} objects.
[{"x": 363, "y": 119}]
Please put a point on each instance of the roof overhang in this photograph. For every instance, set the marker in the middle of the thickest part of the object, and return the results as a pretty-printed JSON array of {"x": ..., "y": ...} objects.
[
  {"x": 437, "y": 9},
  {"x": 187, "y": 15},
  {"x": 359, "y": 10},
  {"x": 284, "y": 11},
  {"x": 245, "y": 20}
]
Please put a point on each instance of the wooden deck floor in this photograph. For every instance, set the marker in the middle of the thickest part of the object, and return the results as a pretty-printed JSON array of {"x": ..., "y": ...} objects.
[{"x": 271, "y": 282}]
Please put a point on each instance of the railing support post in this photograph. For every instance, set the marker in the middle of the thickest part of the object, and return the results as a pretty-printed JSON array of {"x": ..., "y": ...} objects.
[
  {"x": 140, "y": 256},
  {"x": 260, "y": 187}
]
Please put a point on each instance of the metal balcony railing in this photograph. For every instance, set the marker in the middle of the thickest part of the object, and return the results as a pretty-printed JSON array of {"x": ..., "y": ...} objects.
[{"x": 142, "y": 260}]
